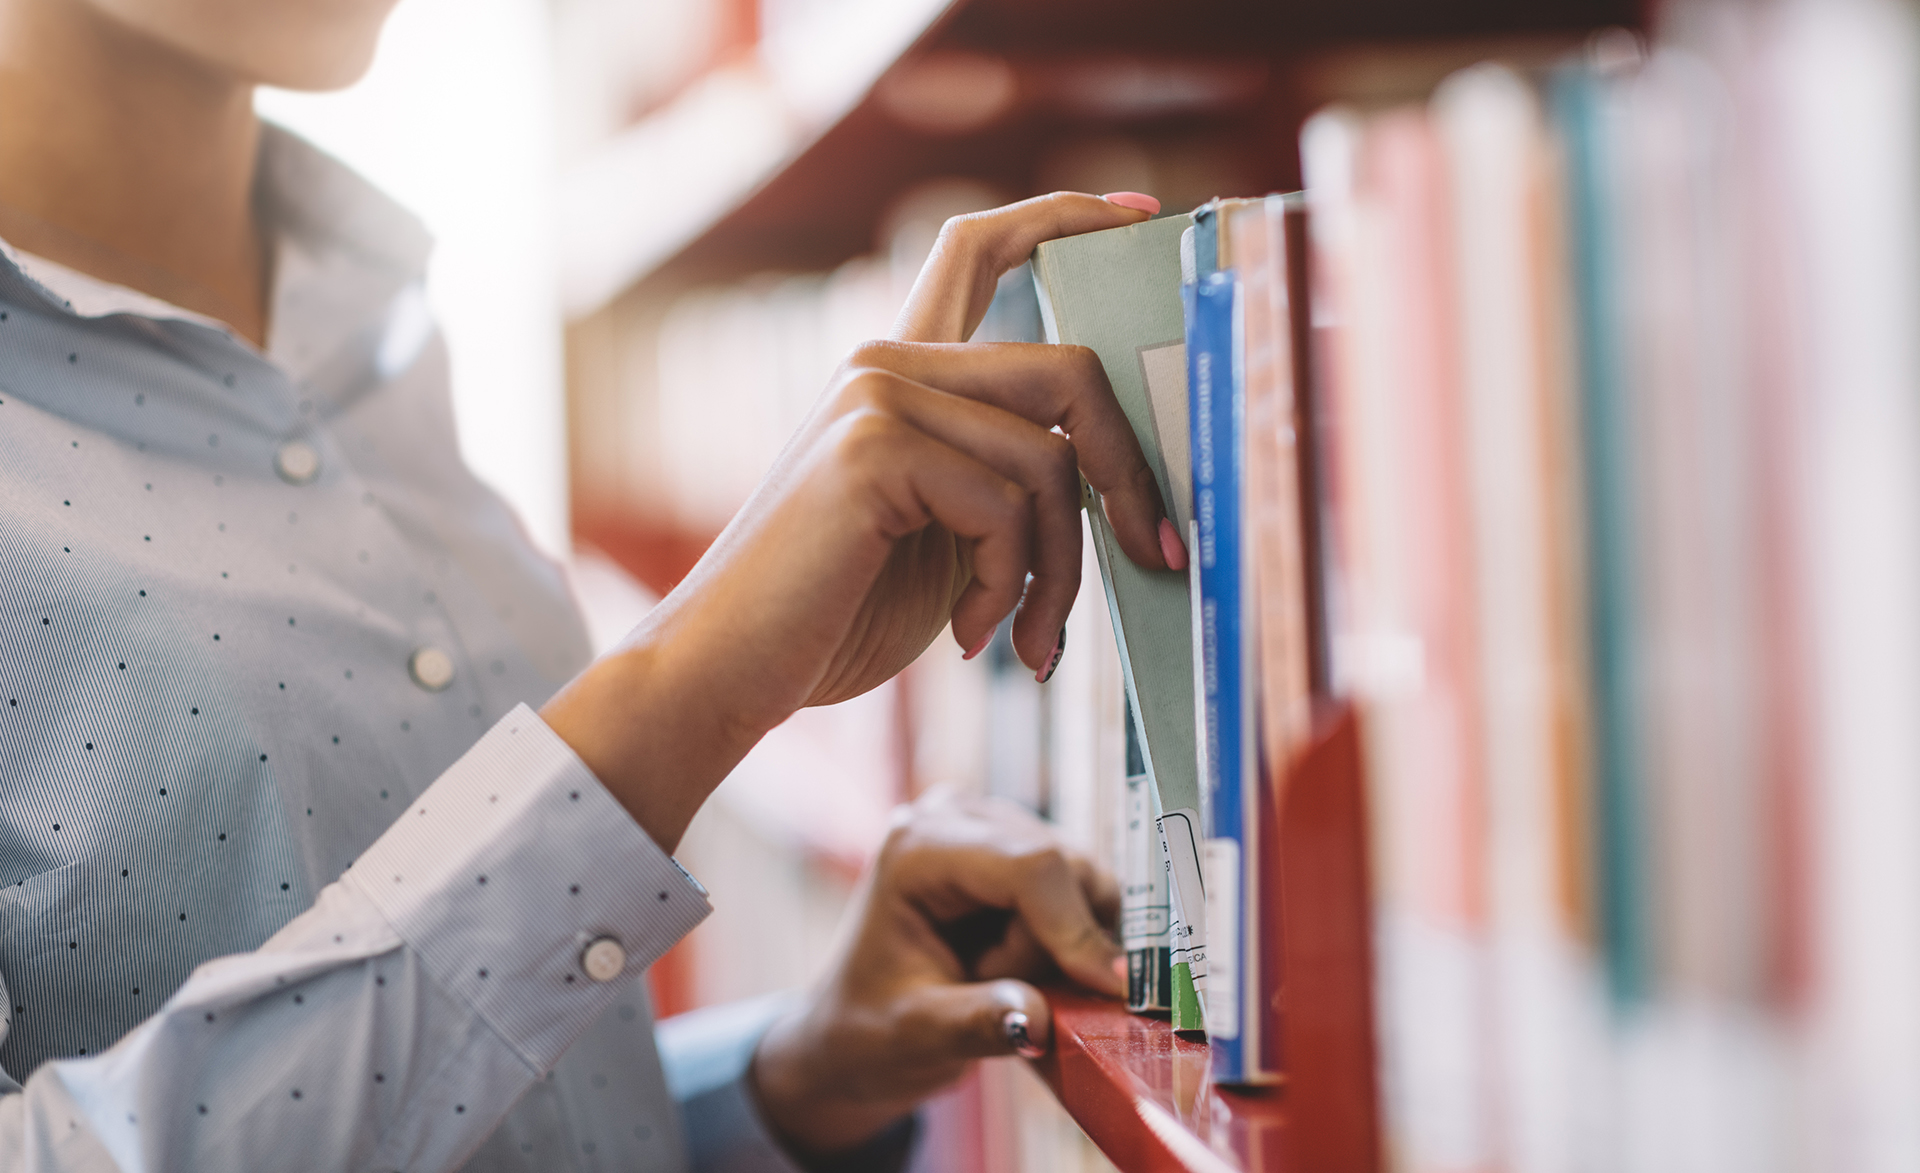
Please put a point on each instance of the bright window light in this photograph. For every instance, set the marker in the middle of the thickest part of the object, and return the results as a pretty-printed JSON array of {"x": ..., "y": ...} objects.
[{"x": 454, "y": 120}]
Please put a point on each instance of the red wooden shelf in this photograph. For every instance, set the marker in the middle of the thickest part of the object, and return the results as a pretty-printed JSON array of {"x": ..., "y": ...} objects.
[{"x": 1144, "y": 1095}]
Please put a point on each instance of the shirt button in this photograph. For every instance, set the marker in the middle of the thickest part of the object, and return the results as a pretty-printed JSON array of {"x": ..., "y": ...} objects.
[
  {"x": 603, "y": 959},
  {"x": 296, "y": 462},
  {"x": 431, "y": 668}
]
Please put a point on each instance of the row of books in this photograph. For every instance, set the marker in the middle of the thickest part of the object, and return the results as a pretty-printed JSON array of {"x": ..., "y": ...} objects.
[
  {"x": 1621, "y": 431},
  {"x": 1199, "y": 321},
  {"x": 1568, "y": 425}
]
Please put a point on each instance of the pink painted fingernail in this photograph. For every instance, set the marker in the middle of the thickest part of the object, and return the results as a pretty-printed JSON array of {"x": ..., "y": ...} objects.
[
  {"x": 1171, "y": 547},
  {"x": 1138, "y": 201},
  {"x": 1053, "y": 661},
  {"x": 1015, "y": 1026},
  {"x": 979, "y": 647},
  {"x": 1120, "y": 969}
]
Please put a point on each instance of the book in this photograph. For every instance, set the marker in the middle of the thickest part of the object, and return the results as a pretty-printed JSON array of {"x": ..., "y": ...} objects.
[
  {"x": 1403, "y": 644},
  {"x": 1843, "y": 80},
  {"x": 1523, "y": 489},
  {"x": 1255, "y": 631},
  {"x": 1117, "y": 293},
  {"x": 1145, "y": 909},
  {"x": 1253, "y": 243},
  {"x": 1585, "y": 108},
  {"x": 1216, "y": 381}
]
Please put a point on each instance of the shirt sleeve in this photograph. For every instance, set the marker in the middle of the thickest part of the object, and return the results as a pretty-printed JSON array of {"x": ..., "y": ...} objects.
[
  {"x": 394, "y": 1023},
  {"x": 706, "y": 1056}
]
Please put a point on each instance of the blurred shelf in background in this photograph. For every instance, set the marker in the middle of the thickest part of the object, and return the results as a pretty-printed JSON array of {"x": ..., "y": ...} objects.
[
  {"x": 832, "y": 137},
  {"x": 789, "y": 154}
]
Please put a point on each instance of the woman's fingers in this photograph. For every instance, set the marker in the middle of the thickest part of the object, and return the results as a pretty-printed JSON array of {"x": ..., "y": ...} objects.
[
  {"x": 1054, "y": 905},
  {"x": 955, "y": 858},
  {"x": 1039, "y": 460},
  {"x": 912, "y": 479},
  {"x": 956, "y": 284},
  {"x": 1102, "y": 889},
  {"x": 1051, "y": 386},
  {"x": 1018, "y": 954}
]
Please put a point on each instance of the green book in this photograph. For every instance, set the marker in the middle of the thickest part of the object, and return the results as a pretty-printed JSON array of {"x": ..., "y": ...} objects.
[{"x": 1118, "y": 294}]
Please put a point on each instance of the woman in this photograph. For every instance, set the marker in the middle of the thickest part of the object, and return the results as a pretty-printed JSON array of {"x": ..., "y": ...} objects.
[{"x": 266, "y": 650}]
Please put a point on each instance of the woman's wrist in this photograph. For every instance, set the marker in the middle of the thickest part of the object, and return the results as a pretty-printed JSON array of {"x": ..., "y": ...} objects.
[
  {"x": 806, "y": 1107},
  {"x": 650, "y": 732}
]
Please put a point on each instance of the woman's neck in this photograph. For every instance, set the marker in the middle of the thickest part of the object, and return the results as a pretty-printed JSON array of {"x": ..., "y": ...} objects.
[{"x": 129, "y": 161}]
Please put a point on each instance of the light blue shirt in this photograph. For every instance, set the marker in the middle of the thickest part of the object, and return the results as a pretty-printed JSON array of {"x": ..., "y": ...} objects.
[{"x": 266, "y": 648}]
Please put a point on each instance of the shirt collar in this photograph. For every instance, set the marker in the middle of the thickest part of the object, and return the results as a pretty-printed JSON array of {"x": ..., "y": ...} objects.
[{"x": 311, "y": 197}]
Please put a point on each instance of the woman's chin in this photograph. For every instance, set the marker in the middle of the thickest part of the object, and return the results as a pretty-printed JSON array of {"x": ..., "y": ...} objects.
[{"x": 312, "y": 45}]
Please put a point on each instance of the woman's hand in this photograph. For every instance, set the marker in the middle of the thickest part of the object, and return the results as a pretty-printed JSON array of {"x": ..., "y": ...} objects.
[
  {"x": 964, "y": 901},
  {"x": 925, "y": 488}
]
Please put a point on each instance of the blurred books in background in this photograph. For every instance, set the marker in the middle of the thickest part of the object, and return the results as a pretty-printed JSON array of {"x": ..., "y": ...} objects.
[{"x": 1622, "y": 450}]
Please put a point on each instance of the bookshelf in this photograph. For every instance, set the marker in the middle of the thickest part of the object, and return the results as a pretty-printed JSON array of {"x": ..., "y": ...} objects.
[
  {"x": 1233, "y": 90},
  {"x": 1143, "y": 1093}
]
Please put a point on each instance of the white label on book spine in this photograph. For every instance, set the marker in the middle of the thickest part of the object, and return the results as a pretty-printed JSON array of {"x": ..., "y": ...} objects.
[
  {"x": 1180, "y": 834},
  {"x": 1143, "y": 898},
  {"x": 1223, "y": 938}
]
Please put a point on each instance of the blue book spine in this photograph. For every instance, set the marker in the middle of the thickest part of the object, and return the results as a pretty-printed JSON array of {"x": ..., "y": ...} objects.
[{"x": 1217, "y": 408}]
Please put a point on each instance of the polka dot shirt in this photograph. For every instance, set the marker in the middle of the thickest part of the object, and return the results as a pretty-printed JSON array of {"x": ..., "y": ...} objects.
[{"x": 286, "y": 863}]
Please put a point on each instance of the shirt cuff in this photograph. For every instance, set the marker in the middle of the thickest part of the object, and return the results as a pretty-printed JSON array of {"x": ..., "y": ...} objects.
[{"x": 526, "y": 889}]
